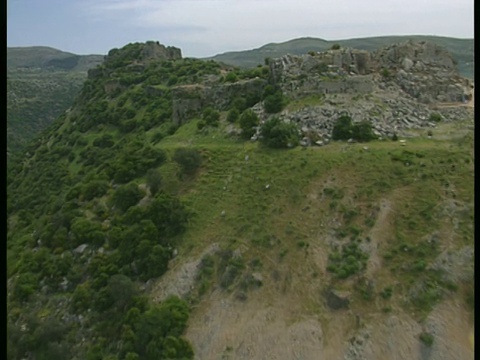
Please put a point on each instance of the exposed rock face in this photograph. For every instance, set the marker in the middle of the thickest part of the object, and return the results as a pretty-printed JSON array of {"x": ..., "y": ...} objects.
[
  {"x": 393, "y": 89},
  {"x": 425, "y": 71},
  {"x": 337, "y": 300},
  {"x": 154, "y": 50},
  {"x": 188, "y": 100},
  {"x": 415, "y": 54}
]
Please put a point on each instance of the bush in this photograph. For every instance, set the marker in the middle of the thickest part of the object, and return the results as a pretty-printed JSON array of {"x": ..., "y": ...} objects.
[
  {"x": 363, "y": 131},
  {"x": 233, "y": 115},
  {"x": 426, "y": 338},
  {"x": 335, "y": 47},
  {"x": 435, "y": 117},
  {"x": 154, "y": 180},
  {"x": 239, "y": 103},
  {"x": 105, "y": 141},
  {"x": 211, "y": 116},
  {"x": 248, "y": 122},
  {"x": 231, "y": 77},
  {"x": 86, "y": 231},
  {"x": 188, "y": 159},
  {"x": 274, "y": 103},
  {"x": 342, "y": 130},
  {"x": 278, "y": 134},
  {"x": 126, "y": 196}
]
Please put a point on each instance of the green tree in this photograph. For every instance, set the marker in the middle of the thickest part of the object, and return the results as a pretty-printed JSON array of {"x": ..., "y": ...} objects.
[
  {"x": 126, "y": 196},
  {"x": 363, "y": 131},
  {"x": 154, "y": 180},
  {"x": 240, "y": 103},
  {"x": 342, "y": 130},
  {"x": 248, "y": 121},
  {"x": 233, "y": 115},
  {"x": 188, "y": 159},
  {"x": 87, "y": 231},
  {"x": 121, "y": 289},
  {"x": 211, "y": 116},
  {"x": 274, "y": 103},
  {"x": 279, "y": 134},
  {"x": 231, "y": 77}
]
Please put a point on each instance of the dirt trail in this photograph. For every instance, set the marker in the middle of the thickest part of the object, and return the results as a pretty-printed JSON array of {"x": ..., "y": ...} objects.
[{"x": 377, "y": 234}]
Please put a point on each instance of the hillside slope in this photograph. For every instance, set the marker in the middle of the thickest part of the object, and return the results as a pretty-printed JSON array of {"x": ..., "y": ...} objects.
[
  {"x": 42, "y": 83},
  {"x": 461, "y": 49},
  {"x": 170, "y": 215}
]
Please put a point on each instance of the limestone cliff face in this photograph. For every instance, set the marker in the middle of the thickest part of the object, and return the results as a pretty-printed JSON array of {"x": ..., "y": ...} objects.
[{"x": 425, "y": 71}]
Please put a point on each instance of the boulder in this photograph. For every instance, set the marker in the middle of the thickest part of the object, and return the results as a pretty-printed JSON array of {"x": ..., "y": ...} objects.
[{"x": 337, "y": 299}]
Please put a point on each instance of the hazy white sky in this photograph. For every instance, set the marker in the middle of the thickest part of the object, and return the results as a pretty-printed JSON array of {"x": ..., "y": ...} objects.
[{"x": 204, "y": 28}]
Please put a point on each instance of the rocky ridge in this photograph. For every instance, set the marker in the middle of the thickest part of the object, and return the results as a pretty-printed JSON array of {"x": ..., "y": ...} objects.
[{"x": 395, "y": 88}]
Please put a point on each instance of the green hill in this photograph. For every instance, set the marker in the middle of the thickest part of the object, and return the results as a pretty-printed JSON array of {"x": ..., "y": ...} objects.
[
  {"x": 43, "y": 57},
  {"x": 461, "y": 49},
  {"x": 42, "y": 83},
  {"x": 135, "y": 231}
]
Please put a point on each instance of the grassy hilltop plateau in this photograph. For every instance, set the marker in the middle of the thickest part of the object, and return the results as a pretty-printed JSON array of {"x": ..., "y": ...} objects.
[{"x": 318, "y": 206}]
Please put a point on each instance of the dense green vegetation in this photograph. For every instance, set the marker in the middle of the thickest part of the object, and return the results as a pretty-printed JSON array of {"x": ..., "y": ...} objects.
[
  {"x": 345, "y": 129},
  {"x": 104, "y": 199},
  {"x": 41, "y": 84}
]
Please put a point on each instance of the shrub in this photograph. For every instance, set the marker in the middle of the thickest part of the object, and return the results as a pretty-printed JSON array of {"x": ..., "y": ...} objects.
[
  {"x": 126, "y": 196},
  {"x": 435, "y": 117},
  {"x": 239, "y": 103},
  {"x": 274, "y": 103},
  {"x": 105, "y": 141},
  {"x": 154, "y": 180},
  {"x": 248, "y": 122},
  {"x": 386, "y": 293},
  {"x": 211, "y": 116},
  {"x": 278, "y": 134},
  {"x": 386, "y": 73},
  {"x": 426, "y": 338},
  {"x": 231, "y": 77},
  {"x": 86, "y": 231},
  {"x": 363, "y": 131},
  {"x": 342, "y": 130},
  {"x": 233, "y": 115},
  {"x": 188, "y": 159},
  {"x": 335, "y": 47}
]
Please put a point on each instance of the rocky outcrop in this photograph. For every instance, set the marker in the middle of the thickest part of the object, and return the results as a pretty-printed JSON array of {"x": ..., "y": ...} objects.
[
  {"x": 189, "y": 100},
  {"x": 393, "y": 89},
  {"x": 153, "y": 50},
  {"x": 337, "y": 299},
  {"x": 425, "y": 71},
  {"x": 415, "y": 55}
]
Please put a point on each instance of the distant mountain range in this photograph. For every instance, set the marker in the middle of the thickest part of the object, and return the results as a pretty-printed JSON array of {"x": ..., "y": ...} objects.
[
  {"x": 461, "y": 49},
  {"x": 43, "y": 57}
]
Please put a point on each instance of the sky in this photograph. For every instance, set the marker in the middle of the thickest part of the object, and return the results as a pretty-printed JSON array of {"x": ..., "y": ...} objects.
[{"x": 203, "y": 28}]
